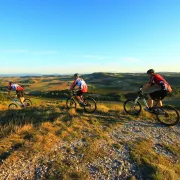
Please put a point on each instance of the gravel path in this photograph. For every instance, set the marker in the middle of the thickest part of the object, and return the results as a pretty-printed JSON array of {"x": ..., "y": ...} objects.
[{"x": 116, "y": 166}]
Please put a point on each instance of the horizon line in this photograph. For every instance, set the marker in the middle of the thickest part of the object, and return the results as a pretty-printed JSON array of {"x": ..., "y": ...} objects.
[{"x": 54, "y": 74}]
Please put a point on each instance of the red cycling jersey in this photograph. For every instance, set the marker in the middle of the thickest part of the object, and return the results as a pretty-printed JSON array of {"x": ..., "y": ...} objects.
[{"x": 160, "y": 81}]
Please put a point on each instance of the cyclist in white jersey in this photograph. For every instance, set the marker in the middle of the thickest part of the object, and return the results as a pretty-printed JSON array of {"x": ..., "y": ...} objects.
[{"x": 19, "y": 91}]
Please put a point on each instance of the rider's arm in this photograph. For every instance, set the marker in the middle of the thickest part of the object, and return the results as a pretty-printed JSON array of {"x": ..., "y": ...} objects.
[
  {"x": 146, "y": 86},
  {"x": 73, "y": 85},
  {"x": 9, "y": 90}
]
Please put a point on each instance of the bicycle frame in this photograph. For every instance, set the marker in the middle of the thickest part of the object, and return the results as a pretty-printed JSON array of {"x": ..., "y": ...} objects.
[
  {"x": 73, "y": 96},
  {"x": 142, "y": 97},
  {"x": 16, "y": 100},
  {"x": 166, "y": 115}
]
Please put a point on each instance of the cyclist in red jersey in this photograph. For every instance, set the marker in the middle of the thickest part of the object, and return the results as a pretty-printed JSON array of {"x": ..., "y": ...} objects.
[
  {"x": 82, "y": 88},
  {"x": 19, "y": 91},
  {"x": 156, "y": 79}
]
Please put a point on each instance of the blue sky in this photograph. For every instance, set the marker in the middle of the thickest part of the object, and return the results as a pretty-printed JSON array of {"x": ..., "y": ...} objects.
[{"x": 68, "y": 36}]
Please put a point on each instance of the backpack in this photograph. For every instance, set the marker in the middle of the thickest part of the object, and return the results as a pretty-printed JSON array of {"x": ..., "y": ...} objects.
[
  {"x": 160, "y": 78},
  {"x": 169, "y": 88}
]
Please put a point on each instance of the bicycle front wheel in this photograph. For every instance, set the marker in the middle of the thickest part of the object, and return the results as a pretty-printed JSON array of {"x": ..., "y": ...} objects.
[
  {"x": 70, "y": 103},
  {"x": 131, "y": 107},
  {"x": 168, "y": 115},
  {"x": 12, "y": 106},
  {"x": 27, "y": 103},
  {"x": 90, "y": 105}
]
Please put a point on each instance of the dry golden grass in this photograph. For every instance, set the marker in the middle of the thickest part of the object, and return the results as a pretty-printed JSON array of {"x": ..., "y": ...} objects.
[
  {"x": 103, "y": 108},
  {"x": 3, "y": 106},
  {"x": 94, "y": 150},
  {"x": 153, "y": 165},
  {"x": 72, "y": 112},
  {"x": 68, "y": 125},
  {"x": 26, "y": 127},
  {"x": 117, "y": 107}
]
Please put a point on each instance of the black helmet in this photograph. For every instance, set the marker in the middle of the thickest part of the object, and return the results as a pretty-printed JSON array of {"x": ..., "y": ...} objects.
[
  {"x": 76, "y": 75},
  {"x": 10, "y": 82},
  {"x": 150, "y": 71}
]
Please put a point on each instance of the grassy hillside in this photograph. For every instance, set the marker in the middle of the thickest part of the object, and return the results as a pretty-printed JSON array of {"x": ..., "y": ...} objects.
[
  {"x": 49, "y": 141},
  {"x": 99, "y": 83},
  {"x": 102, "y": 86}
]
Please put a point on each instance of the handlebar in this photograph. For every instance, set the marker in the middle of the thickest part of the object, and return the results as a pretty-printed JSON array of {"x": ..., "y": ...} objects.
[
  {"x": 70, "y": 92},
  {"x": 11, "y": 98},
  {"x": 140, "y": 90},
  {"x": 141, "y": 87},
  {"x": 73, "y": 91}
]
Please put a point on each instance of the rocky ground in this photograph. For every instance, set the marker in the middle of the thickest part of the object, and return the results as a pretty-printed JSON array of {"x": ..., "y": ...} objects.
[{"x": 115, "y": 165}]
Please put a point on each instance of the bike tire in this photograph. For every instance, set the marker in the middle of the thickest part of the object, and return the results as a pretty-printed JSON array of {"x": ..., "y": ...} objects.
[
  {"x": 70, "y": 103},
  {"x": 27, "y": 102},
  {"x": 12, "y": 106},
  {"x": 131, "y": 108},
  {"x": 168, "y": 115},
  {"x": 90, "y": 105}
]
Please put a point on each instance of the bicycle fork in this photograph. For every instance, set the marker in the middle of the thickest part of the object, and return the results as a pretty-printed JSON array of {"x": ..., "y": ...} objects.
[{"x": 144, "y": 101}]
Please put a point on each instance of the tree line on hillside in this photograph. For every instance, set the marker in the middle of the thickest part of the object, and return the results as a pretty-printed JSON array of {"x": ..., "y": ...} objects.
[{"x": 102, "y": 97}]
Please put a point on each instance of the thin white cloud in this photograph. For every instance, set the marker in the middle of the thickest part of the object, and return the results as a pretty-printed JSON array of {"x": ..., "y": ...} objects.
[
  {"x": 43, "y": 52},
  {"x": 94, "y": 57},
  {"x": 28, "y": 51},
  {"x": 13, "y": 50},
  {"x": 131, "y": 59}
]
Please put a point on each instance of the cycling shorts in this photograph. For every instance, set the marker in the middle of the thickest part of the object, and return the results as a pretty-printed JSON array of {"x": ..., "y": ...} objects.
[
  {"x": 20, "y": 94},
  {"x": 158, "y": 95}
]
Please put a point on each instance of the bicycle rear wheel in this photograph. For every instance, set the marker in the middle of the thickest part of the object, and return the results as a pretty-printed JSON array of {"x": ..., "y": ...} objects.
[
  {"x": 12, "y": 106},
  {"x": 131, "y": 107},
  {"x": 168, "y": 115},
  {"x": 27, "y": 102},
  {"x": 90, "y": 106},
  {"x": 70, "y": 103}
]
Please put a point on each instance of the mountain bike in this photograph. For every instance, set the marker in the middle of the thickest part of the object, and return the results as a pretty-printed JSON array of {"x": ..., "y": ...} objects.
[
  {"x": 89, "y": 103},
  {"x": 166, "y": 114},
  {"x": 16, "y": 103}
]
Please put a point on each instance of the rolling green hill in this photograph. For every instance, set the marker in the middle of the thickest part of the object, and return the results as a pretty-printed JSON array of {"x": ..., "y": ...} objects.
[
  {"x": 105, "y": 86},
  {"x": 49, "y": 141}
]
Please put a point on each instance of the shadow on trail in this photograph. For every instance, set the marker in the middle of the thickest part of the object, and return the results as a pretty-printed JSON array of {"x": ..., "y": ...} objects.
[
  {"x": 107, "y": 118},
  {"x": 11, "y": 119},
  {"x": 31, "y": 115}
]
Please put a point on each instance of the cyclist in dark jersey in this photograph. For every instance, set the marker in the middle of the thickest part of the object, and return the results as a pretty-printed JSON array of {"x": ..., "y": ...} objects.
[{"x": 156, "y": 79}]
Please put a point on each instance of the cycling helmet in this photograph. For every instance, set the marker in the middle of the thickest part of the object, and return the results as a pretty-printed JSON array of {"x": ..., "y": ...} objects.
[
  {"x": 10, "y": 82},
  {"x": 76, "y": 75},
  {"x": 150, "y": 71}
]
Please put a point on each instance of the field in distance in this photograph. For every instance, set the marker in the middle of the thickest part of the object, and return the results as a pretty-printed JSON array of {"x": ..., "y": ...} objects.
[
  {"x": 49, "y": 141},
  {"x": 103, "y": 86}
]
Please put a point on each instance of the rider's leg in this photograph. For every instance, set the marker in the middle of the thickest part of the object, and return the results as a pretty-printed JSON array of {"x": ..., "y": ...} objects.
[
  {"x": 79, "y": 97},
  {"x": 20, "y": 95},
  {"x": 21, "y": 100},
  {"x": 150, "y": 101},
  {"x": 80, "y": 100},
  {"x": 160, "y": 103},
  {"x": 150, "y": 104},
  {"x": 162, "y": 95}
]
